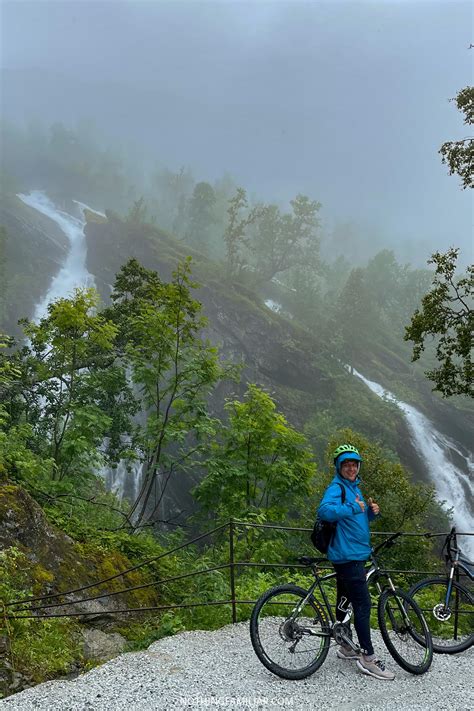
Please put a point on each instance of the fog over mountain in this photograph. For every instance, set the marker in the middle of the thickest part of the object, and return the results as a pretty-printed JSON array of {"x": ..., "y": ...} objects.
[{"x": 346, "y": 102}]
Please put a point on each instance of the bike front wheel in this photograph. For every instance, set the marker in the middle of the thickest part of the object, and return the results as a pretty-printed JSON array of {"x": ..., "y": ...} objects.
[
  {"x": 451, "y": 622},
  {"x": 290, "y": 636},
  {"x": 404, "y": 631}
]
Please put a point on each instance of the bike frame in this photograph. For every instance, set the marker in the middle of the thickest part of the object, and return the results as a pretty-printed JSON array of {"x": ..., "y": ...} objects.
[{"x": 373, "y": 570}]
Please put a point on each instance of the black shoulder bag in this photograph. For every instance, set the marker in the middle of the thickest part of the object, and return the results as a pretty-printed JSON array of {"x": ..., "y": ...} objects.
[{"x": 323, "y": 531}]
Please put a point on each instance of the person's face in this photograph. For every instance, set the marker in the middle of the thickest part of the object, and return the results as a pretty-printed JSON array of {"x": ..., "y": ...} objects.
[{"x": 349, "y": 469}]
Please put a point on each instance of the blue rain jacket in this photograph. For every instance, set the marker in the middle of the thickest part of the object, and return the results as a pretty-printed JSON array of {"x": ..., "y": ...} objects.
[{"x": 352, "y": 538}]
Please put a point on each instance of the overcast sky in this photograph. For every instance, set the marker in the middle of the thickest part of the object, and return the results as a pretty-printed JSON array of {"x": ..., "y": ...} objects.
[{"x": 347, "y": 102}]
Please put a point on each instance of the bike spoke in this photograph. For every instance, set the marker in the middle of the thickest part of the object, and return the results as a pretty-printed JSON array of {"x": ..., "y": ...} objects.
[
  {"x": 452, "y": 625},
  {"x": 405, "y": 632},
  {"x": 285, "y": 641}
]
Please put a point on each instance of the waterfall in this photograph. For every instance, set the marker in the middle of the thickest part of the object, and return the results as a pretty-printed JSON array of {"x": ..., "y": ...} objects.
[
  {"x": 448, "y": 465},
  {"x": 73, "y": 274}
]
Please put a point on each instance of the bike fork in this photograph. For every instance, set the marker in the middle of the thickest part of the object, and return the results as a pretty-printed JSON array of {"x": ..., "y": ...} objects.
[{"x": 449, "y": 587}]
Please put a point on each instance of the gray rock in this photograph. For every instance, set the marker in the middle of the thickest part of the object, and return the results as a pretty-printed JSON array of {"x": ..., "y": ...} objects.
[{"x": 99, "y": 645}]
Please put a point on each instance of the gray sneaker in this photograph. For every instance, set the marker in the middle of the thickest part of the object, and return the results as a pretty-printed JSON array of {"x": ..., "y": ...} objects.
[
  {"x": 374, "y": 668},
  {"x": 345, "y": 652}
]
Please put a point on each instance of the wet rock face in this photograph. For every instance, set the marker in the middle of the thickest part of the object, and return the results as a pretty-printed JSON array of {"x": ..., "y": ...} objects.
[
  {"x": 34, "y": 251},
  {"x": 24, "y": 524},
  {"x": 56, "y": 563},
  {"x": 274, "y": 353}
]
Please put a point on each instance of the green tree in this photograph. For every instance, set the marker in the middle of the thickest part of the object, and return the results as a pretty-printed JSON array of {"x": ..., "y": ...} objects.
[
  {"x": 356, "y": 318},
  {"x": 201, "y": 215},
  {"x": 235, "y": 235},
  {"x": 3, "y": 276},
  {"x": 305, "y": 298},
  {"x": 171, "y": 192},
  {"x": 224, "y": 189},
  {"x": 137, "y": 214},
  {"x": 395, "y": 288},
  {"x": 72, "y": 392},
  {"x": 172, "y": 368},
  {"x": 446, "y": 315},
  {"x": 9, "y": 374},
  {"x": 258, "y": 464},
  {"x": 281, "y": 242},
  {"x": 459, "y": 155},
  {"x": 384, "y": 277}
]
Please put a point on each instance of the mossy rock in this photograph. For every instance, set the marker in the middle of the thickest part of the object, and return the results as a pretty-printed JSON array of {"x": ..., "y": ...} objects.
[{"x": 60, "y": 564}]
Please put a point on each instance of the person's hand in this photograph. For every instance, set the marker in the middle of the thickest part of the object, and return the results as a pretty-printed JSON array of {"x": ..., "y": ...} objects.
[
  {"x": 360, "y": 502},
  {"x": 374, "y": 506}
]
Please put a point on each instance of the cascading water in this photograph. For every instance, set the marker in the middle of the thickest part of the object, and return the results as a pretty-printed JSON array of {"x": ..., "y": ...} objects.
[
  {"x": 72, "y": 275},
  {"x": 449, "y": 467}
]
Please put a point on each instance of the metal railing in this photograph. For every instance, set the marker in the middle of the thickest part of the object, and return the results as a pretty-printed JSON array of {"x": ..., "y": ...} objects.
[{"x": 22, "y": 609}]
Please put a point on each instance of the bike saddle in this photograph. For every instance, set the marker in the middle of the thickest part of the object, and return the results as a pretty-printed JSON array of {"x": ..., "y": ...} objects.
[{"x": 306, "y": 560}]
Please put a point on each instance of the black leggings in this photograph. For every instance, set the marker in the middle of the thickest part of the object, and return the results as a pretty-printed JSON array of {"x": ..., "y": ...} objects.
[{"x": 352, "y": 585}]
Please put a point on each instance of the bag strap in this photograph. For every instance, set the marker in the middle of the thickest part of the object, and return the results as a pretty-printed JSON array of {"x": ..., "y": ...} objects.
[{"x": 343, "y": 492}]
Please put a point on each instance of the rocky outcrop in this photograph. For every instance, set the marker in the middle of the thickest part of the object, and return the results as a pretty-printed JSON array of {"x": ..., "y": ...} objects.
[
  {"x": 36, "y": 559},
  {"x": 100, "y": 646},
  {"x": 275, "y": 353},
  {"x": 57, "y": 563},
  {"x": 34, "y": 251}
]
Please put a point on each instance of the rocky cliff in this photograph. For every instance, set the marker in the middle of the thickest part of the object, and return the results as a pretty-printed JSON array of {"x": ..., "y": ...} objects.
[{"x": 35, "y": 248}]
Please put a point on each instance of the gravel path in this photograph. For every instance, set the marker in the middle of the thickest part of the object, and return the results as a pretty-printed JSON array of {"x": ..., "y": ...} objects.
[{"x": 201, "y": 670}]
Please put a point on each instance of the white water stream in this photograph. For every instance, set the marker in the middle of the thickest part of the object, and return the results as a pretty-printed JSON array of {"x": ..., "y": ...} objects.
[
  {"x": 448, "y": 465},
  {"x": 73, "y": 273}
]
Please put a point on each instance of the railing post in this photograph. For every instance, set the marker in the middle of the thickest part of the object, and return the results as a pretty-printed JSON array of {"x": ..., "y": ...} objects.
[{"x": 232, "y": 569}]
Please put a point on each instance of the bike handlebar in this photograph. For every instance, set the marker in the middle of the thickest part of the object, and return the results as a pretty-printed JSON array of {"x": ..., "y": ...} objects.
[
  {"x": 387, "y": 542},
  {"x": 448, "y": 543}
]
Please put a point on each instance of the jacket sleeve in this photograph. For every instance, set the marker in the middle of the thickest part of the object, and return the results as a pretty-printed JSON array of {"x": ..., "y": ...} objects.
[{"x": 331, "y": 507}]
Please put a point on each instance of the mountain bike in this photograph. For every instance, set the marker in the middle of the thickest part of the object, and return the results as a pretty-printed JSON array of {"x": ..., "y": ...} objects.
[
  {"x": 448, "y": 604},
  {"x": 291, "y": 630}
]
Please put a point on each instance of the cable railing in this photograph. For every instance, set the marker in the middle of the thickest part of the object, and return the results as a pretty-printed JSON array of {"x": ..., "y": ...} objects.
[{"x": 25, "y": 609}]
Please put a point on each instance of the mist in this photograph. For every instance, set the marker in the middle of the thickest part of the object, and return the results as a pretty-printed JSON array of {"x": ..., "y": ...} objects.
[{"x": 345, "y": 102}]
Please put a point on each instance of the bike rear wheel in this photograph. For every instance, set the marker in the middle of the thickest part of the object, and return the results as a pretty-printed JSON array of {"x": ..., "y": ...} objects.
[
  {"x": 404, "y": 631},
  {"x": 291, "y": 645},
  {"x": 451, "y": 625}
]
